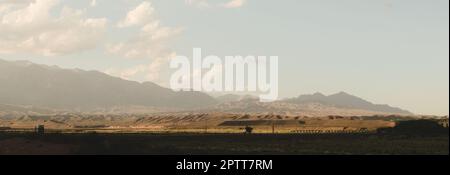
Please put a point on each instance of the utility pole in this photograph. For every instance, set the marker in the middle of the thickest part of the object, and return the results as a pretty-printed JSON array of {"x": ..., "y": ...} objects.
[
  {"x": 206, "y": 125},
  {"x": 273, "y": 127}
]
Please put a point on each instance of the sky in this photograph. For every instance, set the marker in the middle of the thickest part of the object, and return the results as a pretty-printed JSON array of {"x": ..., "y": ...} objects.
[{"x": 392, "y": 52}]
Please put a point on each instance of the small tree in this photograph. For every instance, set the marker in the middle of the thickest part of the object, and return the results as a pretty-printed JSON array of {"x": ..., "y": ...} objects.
[{"x": 248, "y": 130}]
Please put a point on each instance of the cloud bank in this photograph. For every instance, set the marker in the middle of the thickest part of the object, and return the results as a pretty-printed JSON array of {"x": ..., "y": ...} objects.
[
  {"x": 31, "y": 28},
  {"x": 149, "y": 43}
]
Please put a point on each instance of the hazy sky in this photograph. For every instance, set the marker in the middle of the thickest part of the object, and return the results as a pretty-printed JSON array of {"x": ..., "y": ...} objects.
[{"x": 386, "y": 51}]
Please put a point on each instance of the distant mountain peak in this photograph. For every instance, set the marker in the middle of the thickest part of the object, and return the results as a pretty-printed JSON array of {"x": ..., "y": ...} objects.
[
  {"x": 234, "y": 98},
  {"x": 318, "y": 94},
  {"x": 345, "y": 100},
  {"x": 343, "y": 93}
]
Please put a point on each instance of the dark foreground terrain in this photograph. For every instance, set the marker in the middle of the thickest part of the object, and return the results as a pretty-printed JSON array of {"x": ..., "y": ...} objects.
[{"x": 360, "y": 144}]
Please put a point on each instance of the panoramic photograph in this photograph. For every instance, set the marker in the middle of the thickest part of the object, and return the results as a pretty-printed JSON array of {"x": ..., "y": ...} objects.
[{"x": 224, "y": 77}]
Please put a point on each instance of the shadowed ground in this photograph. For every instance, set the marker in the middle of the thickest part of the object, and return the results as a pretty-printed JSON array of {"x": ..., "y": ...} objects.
[{"x": 27, "y": 143}]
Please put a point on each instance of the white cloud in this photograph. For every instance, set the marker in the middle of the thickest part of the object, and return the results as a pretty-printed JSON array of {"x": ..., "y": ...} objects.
[
  {"x": 207, "y": 3},
  {"x": 32, "y": 29},
  {"x": 149, "y": 43},
  {"x": 144, "y": 72},
  {"x": 141, "y": 15},
  {"x": 93, "y": 3},
  {"x": 198, "y": 3},
  {"x": 234, "y": 4}
]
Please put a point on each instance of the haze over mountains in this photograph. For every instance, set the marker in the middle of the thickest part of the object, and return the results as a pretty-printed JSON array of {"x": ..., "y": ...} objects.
[
  {"x": 44, "y": 87},
  {"x": 25, "y": 83}
]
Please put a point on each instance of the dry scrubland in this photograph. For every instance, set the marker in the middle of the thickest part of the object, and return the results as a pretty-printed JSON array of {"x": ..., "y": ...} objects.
[{"x": 180, "y": 122}]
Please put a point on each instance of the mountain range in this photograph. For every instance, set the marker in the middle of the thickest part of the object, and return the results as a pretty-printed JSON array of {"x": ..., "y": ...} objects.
[
  {"x": 345, "y": 100},
  {"x": 26, "y": 83},
  {"x": 37, "y": 86}
]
